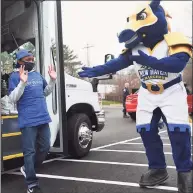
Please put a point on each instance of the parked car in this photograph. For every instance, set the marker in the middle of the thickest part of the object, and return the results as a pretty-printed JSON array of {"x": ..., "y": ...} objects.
[{"x": 131, "y": 104}]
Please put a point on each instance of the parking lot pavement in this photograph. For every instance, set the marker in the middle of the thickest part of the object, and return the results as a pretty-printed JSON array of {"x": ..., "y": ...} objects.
[{"x": 112, "y": 167}]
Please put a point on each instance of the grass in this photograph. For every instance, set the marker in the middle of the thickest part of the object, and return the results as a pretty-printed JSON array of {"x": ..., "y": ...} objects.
[{"x": 105, "y": 102}]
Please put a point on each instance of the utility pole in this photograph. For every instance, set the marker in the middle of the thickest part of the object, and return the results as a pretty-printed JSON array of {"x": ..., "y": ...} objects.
[{"x": 87, "y": 50}]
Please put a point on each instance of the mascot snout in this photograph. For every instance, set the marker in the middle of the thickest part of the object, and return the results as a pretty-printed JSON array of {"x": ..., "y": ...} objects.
[{"x": 129, "y": 37}]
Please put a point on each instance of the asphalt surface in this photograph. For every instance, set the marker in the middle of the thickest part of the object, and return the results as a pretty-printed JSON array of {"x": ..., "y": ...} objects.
[{"x": 115, "y": 164}]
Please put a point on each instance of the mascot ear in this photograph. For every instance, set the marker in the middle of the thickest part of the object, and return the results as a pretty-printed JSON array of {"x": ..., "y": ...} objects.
[{"x": 155, "y": 4}]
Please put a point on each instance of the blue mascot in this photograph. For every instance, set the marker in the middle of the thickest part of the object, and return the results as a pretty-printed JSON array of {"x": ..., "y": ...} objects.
[{"x": 160, "y": 57}]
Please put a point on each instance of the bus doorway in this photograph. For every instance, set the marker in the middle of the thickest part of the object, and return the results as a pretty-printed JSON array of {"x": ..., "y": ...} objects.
[{"x": 21, "y": 27}]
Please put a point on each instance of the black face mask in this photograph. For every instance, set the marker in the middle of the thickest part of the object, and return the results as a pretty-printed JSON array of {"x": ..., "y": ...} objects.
[{"x": 29, "y": 66}]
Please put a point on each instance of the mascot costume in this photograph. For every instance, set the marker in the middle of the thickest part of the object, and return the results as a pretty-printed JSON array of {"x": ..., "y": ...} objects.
[{"x": 159, "y": 56}]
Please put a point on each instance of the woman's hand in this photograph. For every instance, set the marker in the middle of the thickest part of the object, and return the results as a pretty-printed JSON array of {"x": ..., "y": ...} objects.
[
  {"x": 23, "y": 74},
  {"x": 52, "y": 72}
]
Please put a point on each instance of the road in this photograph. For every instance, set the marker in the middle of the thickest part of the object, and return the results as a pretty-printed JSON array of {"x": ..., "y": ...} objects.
[{"x": 115, "y": 164}]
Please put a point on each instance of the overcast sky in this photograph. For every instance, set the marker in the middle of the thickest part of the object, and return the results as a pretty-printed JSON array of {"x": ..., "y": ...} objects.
[{"x": 98, "y": 22}]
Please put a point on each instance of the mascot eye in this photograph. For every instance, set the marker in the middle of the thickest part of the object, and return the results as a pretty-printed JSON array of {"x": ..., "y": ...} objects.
[
  {"x": 142, "y": 16},
  {"x": 128, "y": 19}
]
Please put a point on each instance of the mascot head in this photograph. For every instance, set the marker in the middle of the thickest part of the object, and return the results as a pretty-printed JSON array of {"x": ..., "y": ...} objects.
[{"x": 149, "y": 23}]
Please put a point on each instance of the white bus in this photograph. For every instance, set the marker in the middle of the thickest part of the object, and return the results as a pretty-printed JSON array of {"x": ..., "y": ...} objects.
[{"x": 73, "y": 106}]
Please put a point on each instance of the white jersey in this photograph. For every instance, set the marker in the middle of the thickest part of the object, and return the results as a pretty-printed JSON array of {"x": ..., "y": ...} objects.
[
  {"x": 149, "y": 75},
  {"x": 175, "y": 110}
]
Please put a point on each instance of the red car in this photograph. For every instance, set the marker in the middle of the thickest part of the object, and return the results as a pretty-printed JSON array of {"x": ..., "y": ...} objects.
[{"x": 131, "y": 104}]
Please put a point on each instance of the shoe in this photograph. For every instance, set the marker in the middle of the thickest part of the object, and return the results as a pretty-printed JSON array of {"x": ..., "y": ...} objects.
[
  {"x": 185, "y": 182},
  {"x": 153, "y": 177},
  {"x": 22, "y": 169},
  {"x": 35, "y": 189}
]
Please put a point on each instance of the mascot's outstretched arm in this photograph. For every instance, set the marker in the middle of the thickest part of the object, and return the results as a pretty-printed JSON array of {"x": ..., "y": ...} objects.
[
  {"x": 179, "y": 52},
  {"x": 112, "y": 66},
  {"x": 173, "y": 64}
]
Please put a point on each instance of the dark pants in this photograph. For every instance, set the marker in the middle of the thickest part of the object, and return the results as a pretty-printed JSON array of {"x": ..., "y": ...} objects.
[
  {"x": 36, "y": 144},
  {"x": 180, "y": 142},
  {"x": 124, "y": 108}
]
